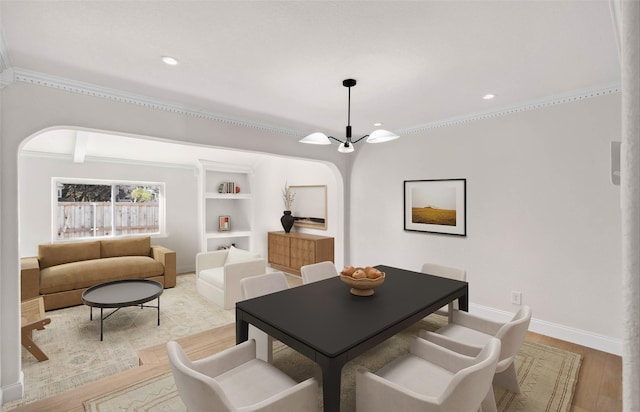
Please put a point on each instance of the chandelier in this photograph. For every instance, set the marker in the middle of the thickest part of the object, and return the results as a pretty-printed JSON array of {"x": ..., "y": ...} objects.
[{"x": 346, "y": 146}]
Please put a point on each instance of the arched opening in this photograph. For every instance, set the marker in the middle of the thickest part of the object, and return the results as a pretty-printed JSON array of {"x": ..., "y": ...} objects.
[{"x": 91, "y": 154}]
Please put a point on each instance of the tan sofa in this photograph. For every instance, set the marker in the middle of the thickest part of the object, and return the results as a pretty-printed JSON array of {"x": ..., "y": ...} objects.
[{"x": 62, "y": 271}]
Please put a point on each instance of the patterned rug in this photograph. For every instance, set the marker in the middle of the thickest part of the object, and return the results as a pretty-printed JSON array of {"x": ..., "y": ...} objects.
[
  {"x": 76, "y": 355},
  {"x": 547, "y": 377}
]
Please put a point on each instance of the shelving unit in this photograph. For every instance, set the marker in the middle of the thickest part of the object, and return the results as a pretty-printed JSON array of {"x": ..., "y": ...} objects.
[{"x": 213, "y": 204}]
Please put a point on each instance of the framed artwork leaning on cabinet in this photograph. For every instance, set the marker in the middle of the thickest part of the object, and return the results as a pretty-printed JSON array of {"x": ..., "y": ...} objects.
[{"x": 309, "y": 208}]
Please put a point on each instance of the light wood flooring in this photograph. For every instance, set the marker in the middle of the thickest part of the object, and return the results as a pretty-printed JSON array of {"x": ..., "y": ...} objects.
[{"x": 599, "y": 387}]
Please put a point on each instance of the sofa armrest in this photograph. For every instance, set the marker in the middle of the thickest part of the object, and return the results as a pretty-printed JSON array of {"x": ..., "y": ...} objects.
[
  {"x": 167, "y": 258},
  {"x": 29, "y": 278},
  {"x": 210, "y": 260},
  {"x": 234, "y": 272}
]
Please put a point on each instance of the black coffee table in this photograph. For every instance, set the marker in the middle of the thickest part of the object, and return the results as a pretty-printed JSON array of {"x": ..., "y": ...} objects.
[
  {"x": 326, "y": 323},
  {"x": 121, "y": 293}
]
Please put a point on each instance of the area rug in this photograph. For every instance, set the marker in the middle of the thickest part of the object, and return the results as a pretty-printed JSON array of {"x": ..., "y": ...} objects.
[
  {"x": 547, "y": 377},
  {"x": 76, "y": 355}
]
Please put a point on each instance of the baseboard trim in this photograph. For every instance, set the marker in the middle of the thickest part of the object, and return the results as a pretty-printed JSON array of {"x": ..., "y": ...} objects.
[
  {"x": 554, "y": 330},
  {"x": 12, "y": 392},
  {"x": 186, "y": 270}
]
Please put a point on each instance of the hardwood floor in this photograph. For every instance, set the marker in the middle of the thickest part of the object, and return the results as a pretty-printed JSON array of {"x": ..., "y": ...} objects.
[{"x": 599, "y": 387}]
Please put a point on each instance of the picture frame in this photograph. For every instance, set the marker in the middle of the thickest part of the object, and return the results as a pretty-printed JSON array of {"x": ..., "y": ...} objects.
[
  {"x": 310, "y": 206},
  {"x": 436, "y": 206},
  {"x": 224, "y": 223}
]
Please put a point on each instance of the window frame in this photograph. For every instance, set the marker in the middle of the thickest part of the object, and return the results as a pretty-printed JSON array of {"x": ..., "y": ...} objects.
[{"x": 162, "y": 212}]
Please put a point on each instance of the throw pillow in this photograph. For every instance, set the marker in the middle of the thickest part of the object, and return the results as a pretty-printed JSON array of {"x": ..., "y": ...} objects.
[{"x": 236, "y": 255}]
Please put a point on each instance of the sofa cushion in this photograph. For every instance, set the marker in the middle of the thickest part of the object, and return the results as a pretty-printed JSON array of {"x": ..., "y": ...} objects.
[
  {"x": 236, "y": 255},
  {"x": 135, "y": 246},
  {"x": 79, "y": 275},
  {"x": 213, "y": 276},
  {"x": 61, "y": 253}
]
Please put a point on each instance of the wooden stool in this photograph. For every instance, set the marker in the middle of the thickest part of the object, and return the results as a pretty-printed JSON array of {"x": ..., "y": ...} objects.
[{"x": 32, "y": 317}]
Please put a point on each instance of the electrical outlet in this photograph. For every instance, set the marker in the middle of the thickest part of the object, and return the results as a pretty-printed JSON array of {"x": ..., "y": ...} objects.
[{"x": 516, "y": 297}]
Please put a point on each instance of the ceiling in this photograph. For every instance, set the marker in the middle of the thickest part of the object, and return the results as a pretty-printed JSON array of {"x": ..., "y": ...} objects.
[{"x": 281, "y": 63}]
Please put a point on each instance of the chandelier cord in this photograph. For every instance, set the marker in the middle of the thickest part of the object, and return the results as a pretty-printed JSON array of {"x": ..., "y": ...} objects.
[{"x": 349, "y": 108}]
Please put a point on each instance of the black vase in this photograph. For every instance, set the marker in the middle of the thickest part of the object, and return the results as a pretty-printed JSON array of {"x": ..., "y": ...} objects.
[{"x": 287, "y": 221}]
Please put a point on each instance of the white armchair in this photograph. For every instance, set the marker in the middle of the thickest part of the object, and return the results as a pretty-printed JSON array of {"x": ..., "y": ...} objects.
[
  {"x": 429, "y": 378},
  {"x": 219, "y": 273},
  {"x": 468, "y": 333},
  {"x": 234, "y": 380}
]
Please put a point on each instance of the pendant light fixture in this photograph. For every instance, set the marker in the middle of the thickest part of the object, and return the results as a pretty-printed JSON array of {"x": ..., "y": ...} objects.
[{"x": 346, "y": 146}]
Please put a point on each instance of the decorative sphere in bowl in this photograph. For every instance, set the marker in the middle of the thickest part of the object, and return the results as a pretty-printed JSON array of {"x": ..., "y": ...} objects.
[{"x": 362, "y": 280}]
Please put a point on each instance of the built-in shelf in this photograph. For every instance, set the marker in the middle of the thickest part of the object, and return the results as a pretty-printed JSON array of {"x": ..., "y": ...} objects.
[
  {"x": 238, "y": 207},
  {"x": 228, "y": 196},
  {"x": 229, "y": 234}
]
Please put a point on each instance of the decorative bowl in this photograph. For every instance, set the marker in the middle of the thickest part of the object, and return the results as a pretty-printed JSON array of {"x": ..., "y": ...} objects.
[{"x": 363, "y": 286}]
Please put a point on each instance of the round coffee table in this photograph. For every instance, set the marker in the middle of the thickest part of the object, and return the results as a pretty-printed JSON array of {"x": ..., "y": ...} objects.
[{"x": 122, "y": 293}]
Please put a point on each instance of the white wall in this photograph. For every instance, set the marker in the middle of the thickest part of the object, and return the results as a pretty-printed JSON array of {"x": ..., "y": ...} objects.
[{"x": 543, "y": 217}]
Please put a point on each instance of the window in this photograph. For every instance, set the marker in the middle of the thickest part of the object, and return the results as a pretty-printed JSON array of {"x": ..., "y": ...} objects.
[{"x": 86, "y": 209}]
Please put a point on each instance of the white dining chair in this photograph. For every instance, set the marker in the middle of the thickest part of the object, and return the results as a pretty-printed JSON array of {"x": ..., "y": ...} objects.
[
  {"x": 318, "y": 271},
  {"x": 234, "y": 380},
  {"x": 429, "y": 378},
  {"x": 468, "y": 333},
  {"x": 253, "y": 287},
  {"x": 445, "y": 272}
]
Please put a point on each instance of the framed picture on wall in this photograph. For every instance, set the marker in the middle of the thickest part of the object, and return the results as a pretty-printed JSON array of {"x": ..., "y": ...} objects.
[
  {"x": 436, "y": 206},
  {"x": 224, "y": 224}
]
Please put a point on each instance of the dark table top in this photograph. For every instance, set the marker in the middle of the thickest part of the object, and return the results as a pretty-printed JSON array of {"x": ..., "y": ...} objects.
[
  {"x": 126, "y": 292},
  {"x": 327, "y": 318}
]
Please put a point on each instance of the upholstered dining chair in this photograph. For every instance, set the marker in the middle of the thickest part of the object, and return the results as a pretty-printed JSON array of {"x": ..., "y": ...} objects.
[
  {"x": 429, "y": 378},
  {"x": 255, "y": 286},
  {"x": 234, "y": 380},
  {"x": 468, "y": 333},
  {"x": 318, "y": 271},
  {"x": 445, "y": 272}
]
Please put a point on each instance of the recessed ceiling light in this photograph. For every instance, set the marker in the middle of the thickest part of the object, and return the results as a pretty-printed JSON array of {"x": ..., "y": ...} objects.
[
  {"x": 488, "y": 96},
  {"x": 377, "y": 124},
  {"x": 171, "y": 61}
]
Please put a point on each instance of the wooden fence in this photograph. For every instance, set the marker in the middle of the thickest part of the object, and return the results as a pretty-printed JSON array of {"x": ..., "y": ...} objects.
[{"x": 82, "y": 219}]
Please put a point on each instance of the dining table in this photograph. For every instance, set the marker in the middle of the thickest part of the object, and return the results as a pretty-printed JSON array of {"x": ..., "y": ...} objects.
[{"x": 328, "y": 324}]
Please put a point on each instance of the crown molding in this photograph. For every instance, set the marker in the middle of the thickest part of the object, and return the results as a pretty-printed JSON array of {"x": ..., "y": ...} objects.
[
  {"x": 42, "y": 79},
  {"x": 532, "y": 105},
  {"x": 11, "y": 75}
]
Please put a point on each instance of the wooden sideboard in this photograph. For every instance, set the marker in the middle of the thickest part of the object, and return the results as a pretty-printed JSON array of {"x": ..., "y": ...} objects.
[{"x": 290, "y": 251}]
